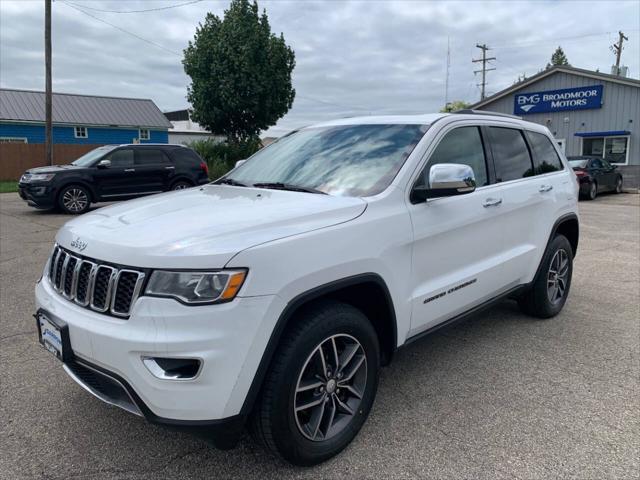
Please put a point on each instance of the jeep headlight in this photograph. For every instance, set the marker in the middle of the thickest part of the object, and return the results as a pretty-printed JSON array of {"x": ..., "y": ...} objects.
[{"x": 196, "y": 288}]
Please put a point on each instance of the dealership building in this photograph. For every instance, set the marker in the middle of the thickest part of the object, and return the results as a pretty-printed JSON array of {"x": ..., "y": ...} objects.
[{"x": 589, "y": 113}]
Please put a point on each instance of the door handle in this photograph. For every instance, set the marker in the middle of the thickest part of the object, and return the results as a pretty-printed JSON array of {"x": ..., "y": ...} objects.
[
  {"x": 170, "y": 168},
  {"x": 492, "y": 202},
  {"x": 545, "y": 188},
  {"x": 129, "y": 169}
]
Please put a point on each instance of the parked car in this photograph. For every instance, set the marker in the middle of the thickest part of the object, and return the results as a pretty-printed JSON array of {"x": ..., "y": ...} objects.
[
  {"x": 595, "y": 175},
  {"x": 273, "y": 296},
  {"x": 112, "y": 172}
]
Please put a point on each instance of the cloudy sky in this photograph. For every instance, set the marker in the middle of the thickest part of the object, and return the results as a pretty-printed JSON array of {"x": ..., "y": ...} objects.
[{"x": 353, "y": 57}]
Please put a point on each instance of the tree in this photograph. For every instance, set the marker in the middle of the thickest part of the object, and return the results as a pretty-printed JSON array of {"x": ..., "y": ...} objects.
[
  {"x": 455, "y": 106},
  {"x": 240, "y": 73},
  {"x": 558, "y": 58}
]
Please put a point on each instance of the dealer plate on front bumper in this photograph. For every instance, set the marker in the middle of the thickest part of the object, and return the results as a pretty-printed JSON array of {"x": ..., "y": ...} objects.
[{"x": 50, "y": 335}]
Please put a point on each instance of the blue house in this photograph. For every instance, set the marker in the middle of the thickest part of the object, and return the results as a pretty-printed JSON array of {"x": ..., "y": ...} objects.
[{"x": 80, "y": 119}]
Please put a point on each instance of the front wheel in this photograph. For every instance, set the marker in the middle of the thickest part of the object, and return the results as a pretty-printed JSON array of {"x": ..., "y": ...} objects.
[
  {"x": 74, "y": 199},
  {"x": 321, "y": 385},
  {"x": 549, "y": 291},
  {"x": 593, "y": 191}
]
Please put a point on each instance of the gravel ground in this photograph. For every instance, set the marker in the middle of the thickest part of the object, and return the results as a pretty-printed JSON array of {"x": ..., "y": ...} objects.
[{"x": 500, "y": 396}]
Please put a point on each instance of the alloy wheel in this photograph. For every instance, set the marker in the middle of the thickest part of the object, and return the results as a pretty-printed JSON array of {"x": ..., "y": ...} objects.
[
  {"x": 75, "y": 200},
  {"x": 593, "y": 191},
  {"x": 330, "y": 387},
  {"x": 619, "y": 186},
  {"x": 557, "y": 276}
]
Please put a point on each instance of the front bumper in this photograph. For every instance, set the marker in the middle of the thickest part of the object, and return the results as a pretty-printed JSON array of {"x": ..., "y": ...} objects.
[
  {"x": 37, "y": 196},
  {"x": 228, "y": 338}
]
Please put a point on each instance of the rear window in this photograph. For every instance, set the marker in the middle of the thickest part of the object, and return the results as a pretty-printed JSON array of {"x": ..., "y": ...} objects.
[
  {"x": 150, "y": 156},
  {"x": 510, "y": 154},
  {"x": 185, "y": 155},
  {"x": 545, "y": 157}
]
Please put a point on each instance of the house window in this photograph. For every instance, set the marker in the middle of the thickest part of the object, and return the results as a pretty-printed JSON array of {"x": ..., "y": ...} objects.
[
  {"x": 80, "y": 132},
  {"x": 144, "y": 134},
  {"x": 612, "y": 149},
  {"x": 13, "y": 140}
]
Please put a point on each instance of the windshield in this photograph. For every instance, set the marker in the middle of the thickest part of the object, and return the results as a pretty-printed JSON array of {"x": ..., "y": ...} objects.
[
  {"x": 89, "y": 158},
  {"x": 581, "y": 163},
  {"x": 347, "y": 160}
]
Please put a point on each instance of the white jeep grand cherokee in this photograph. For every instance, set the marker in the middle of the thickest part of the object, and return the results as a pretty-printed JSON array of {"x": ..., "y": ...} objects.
[{"x": 272, "y": 296}]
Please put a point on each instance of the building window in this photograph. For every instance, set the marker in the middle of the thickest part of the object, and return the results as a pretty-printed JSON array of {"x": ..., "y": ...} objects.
[
  {"x": 80, "y": 132},
  {"x": 612, "y": 149},
  {"x": 13, "y": 140},
  {"x": 144, "y": 134}
]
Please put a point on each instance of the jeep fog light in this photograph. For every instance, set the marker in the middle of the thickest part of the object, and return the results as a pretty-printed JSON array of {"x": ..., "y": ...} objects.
[{"x": 196, "y": 288}]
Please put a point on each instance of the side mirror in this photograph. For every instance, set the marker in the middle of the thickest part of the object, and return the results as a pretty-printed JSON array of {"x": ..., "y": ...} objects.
[
  {"x": 104, "y": 163},
  {"x": 239, "y": 162},
  {"x": 446, "y": 180}
]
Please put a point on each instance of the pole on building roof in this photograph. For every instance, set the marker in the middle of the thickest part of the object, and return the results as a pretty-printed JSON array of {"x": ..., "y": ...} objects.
[
  {"x": 48, "y": 137},
  {"x": 617, "y": 49}
]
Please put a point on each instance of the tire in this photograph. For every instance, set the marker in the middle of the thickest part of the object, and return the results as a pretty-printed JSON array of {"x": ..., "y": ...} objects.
[
  {"x": 618, "y": 188},
  {"x": 74, "y": 199},
  {"x": 308, "y": 436},
  {"x": 181, "y": 185},
  {"x": 540, "y": 301},
  {"x": 593, "y": 191}
]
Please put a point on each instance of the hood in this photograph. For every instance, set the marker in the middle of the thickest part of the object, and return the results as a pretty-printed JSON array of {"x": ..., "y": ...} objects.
[
  {"x": 201, "y": 227},
  {"x": 53, "y": 169}
]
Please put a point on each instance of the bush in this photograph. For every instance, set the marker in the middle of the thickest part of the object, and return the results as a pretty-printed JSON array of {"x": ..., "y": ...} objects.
[{"x": 222, "y": 156}]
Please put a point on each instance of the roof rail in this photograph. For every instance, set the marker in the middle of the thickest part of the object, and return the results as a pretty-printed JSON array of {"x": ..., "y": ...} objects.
[{"x": 486, "y": 112}]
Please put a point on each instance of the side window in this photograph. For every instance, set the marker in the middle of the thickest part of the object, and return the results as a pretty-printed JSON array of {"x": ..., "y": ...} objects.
[
  {"x": 510, "y": 154},
  {"x": 150, "y": 156},
  {"x": 464, "y": 146},
  {"x": 606, "y": 164},
  {"x": 545, "y": 157},
  {"x": 122, "y": 158},
  {"x": 596, "y": 163}
]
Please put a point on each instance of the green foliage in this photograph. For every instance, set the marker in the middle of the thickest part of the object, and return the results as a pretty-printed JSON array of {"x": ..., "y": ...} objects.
[
  {"x": 7, "y": 186},
  {"x": 240, "y": 73},
  {"x": 455, "y": 106},
  {"x": 221, "y": 157},
  {"x": 558, "y": 58}
]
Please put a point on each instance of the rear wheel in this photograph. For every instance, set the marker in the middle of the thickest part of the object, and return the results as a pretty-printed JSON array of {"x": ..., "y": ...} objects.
[
  {"x": 321, "y": 385},
  {"x": 619, "y": 185},
  {"x": 181, "y": 185},
  {"x": 74, "y": 199},
  {"x": 549, "y": 292}
]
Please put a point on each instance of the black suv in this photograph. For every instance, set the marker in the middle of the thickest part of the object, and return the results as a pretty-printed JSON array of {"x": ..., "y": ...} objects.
[{"x": 113, "y": 172}]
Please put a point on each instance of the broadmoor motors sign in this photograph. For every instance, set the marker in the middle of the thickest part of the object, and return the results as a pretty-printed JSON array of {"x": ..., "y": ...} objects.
[{"x": 579, "y": 98}]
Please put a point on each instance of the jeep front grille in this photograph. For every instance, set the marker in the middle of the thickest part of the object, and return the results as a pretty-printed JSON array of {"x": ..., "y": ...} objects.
[{"x": 91, "y": 284}]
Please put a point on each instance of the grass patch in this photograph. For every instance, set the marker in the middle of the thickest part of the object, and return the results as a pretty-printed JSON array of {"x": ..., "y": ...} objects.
[{"x": 8, "y": 186}]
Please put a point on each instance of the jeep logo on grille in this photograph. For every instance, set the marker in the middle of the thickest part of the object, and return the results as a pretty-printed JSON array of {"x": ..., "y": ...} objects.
[{"x": 79, "y": 244}]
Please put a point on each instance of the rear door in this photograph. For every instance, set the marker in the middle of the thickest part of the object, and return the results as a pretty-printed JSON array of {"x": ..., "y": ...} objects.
[
  {"x": 117, "y": 180},
  {"x": 458, "y": 240},
  {"x": 153, "y": 170},
  {"x": 530, "y": 172}
]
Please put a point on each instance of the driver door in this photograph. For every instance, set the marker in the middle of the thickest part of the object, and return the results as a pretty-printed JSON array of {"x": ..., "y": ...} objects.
[
  {"x": 117, "y": 180},
  {"x": 457, "y": 249}
]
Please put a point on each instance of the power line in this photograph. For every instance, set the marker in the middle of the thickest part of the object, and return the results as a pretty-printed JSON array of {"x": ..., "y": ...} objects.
[
  {"x": 549, "y": 40},
  {"x": 137, "y": 11},
  {"x": 150, "y": 42}
]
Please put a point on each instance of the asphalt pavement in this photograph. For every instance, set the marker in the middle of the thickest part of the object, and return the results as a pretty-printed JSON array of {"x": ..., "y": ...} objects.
[{"x": 499, "y": 396}]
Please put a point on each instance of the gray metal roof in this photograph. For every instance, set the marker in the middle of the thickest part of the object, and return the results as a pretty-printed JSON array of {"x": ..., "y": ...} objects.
[{"x": 28, "y": 106}]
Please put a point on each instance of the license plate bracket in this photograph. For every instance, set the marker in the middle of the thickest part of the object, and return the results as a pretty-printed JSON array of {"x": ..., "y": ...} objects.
[{"x": 53, "y": 335}]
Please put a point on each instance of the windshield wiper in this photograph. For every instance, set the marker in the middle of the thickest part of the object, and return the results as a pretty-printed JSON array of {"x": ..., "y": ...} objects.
[
  {"x": 288, "y": 186},
  {"x": 229, "y": 181}
]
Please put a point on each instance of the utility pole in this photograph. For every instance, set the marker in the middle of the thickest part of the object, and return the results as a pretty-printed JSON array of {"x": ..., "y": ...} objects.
[
  {"x": 446, "y": 79},
  {"x": 617, "y": 49},
  {"x": 48, "y": 137},
  {"x": 484, "y": 70}
]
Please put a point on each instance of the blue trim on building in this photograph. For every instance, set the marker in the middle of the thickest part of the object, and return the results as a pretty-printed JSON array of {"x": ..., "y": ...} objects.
[
  {"x": 613, "y": 133},
  {"x": 34, "y": 133}
]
